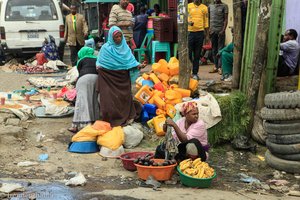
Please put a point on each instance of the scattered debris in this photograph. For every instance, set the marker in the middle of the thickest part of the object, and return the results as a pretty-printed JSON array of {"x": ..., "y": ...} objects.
[
  {"x": 247, "y": 179},
  {"x": 262, "y": 158},
  {"x": 277, "y": 175},
  {"x": 11, "y": 187},
  {"x": 27, "y": 164},
  {"x": 278, "y": 182},
  {"x": 242, "y": 142},
  {"x": 78, "y": 180},
  {"x": 60, "y": 169},
  {"x": 43, "y": 157},
  {"x": 151, "y": 181},
  {"x": 39, "y": 136},
  {"x": 173, "y": 180},
  {"x": 294, "y": 193},
  {"x": 210, "y": 83}
]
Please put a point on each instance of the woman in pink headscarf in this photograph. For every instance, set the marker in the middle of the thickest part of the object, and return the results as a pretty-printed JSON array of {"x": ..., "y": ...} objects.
[{"x": 189, "y": 133}]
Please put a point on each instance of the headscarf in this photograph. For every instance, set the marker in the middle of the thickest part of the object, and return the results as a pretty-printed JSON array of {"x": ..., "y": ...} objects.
[
  {"x": 187, "y": 107},
  {"x": 85, "y": 52},
  {"x": 116, "y": 57},
  {"x": 49, "y": 39}
]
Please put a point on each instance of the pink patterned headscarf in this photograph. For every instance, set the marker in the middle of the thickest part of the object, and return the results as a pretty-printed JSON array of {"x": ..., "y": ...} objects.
[{"x": 187, "y": 107}]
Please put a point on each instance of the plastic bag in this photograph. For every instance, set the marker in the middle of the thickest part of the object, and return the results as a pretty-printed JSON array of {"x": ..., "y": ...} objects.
[
  {"x": 40, "y": 58},
  {"x": 89, "y": 134},
  {"x": 133, "y": 136},
  {"x": 112, "y": 139},
  {"x": 106, "y": 152},
  {"x": 72, "y": 74}
]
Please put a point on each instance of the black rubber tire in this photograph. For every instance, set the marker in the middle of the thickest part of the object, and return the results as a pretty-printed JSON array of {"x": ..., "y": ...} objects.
[
  {"x": 280, "y": 114},
  {"x": 293, "y": 157},
  {"x": 283, "y": 148},
  {"x": 281, "y": 129},
  {"x": 284, "y": 139},
  {"x": 283, "y": 100},
  {"x": 281, "y": 164}
]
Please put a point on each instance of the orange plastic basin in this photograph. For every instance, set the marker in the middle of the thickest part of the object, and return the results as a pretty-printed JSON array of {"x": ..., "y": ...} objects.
[{"x": 160, "y": 173}]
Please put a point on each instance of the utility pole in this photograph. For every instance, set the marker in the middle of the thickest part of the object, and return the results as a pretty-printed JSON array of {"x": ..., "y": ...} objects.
[
  {"x": 184, "y": 62},
  {"x": 260, "y": 56},
  {"x": 238, "y": 43}
]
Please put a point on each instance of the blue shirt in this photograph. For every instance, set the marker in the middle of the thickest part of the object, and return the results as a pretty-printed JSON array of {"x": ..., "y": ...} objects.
[{"x": 290, "y": 52}]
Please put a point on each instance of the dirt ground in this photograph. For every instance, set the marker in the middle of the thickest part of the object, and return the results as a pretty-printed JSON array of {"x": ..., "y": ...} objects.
[{"x": 107, "y": 179}]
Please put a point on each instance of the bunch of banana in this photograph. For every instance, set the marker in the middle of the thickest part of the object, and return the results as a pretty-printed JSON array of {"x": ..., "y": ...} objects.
[{"x": 196, "y": 168}]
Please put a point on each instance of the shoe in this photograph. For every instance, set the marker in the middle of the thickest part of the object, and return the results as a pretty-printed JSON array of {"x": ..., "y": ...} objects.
[
  {"x": 73, "y": 130},
  {"x": 228, "y": 79},
  {"x": 196, "y": 77},
  {"x": 224, "y": 76},
  {"x": 214, "y": 70}
]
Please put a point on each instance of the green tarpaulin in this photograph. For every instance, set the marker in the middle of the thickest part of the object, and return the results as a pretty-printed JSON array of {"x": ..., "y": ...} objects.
[{"x": 105, "y": 1}]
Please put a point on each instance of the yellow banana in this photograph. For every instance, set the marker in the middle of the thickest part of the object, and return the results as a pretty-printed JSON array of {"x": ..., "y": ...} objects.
[
  {"x": 184, "y": 167},
  {"x": 200, "y": 173},
  {"x": 196, "y": 161},
  {"x": 184, "y": 162}
]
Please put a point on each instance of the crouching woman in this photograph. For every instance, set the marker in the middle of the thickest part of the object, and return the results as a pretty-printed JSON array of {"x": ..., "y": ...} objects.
[{"x": 189, "y": 133}]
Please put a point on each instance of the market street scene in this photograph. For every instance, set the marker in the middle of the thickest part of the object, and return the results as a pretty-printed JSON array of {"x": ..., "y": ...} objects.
[{"x": 149, "y": 99}]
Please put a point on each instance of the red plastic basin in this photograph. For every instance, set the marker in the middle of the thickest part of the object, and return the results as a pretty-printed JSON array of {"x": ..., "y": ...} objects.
[{"x": 128, "y": 162}]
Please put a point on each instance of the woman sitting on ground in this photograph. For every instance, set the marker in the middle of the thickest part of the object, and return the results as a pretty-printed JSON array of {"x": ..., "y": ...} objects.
[
  {"x": 115, "y": 62},
  {"x": 87, "y": 105},
  {"x": 190, "y": 135},
  {"x": 49, "y": 48}
]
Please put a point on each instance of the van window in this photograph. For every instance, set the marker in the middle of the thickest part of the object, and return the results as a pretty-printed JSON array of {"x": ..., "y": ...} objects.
[{"x": 30, "y": 10}]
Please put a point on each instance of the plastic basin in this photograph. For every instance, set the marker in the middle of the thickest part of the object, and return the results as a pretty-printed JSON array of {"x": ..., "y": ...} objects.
[
  {"x": 195, "y": 182},
  {"x": 160, "y": 173},
  {"x": 84, "y": 147},
  {"x": 128, "y": 162}
]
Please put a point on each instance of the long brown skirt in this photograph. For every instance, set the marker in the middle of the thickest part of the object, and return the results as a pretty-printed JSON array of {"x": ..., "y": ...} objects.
[{"x": 116, "y": 102}]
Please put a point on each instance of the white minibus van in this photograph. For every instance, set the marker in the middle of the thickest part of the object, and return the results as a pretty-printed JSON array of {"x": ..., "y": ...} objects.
[{"x": 24, "y": 24}]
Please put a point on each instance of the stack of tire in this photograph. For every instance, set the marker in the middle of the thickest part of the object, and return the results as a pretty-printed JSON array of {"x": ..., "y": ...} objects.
[{"x": 282, "y": 123}]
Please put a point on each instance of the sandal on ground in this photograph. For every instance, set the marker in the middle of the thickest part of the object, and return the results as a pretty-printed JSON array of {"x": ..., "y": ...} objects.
[
  {"x": 73, "y": 130},
  {"x": 214, "y": 70}
]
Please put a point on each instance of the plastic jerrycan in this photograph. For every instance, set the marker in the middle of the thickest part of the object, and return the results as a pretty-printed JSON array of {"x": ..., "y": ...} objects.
[
  {"x": 184, "y": 92},
  {"x": 160, "y": 112},
  {"x": 159, "y": 102},
  {"x": 163, "y": 77},
  {"x": 159, "y": 122},
  {"x": 170, "y": 110},
  {"x": 193, "y": 84},
  {"x": 144, "y": 94},
  {"x": 154, "y": 78}
]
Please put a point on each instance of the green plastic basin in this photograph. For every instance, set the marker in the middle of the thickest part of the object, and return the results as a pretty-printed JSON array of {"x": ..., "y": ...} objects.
[{"x": 195, "y": 182}]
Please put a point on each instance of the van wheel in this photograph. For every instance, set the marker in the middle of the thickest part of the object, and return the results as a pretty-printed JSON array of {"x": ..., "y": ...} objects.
[
  {"x": 283, "y": 100},
  {"x": 280, "y": 114},
  {"x": 282, "y": 165},
  {"x": 284, "y": 139},
  {"x": 289, "y": 128},
  {"x": 283, "y": 148}
]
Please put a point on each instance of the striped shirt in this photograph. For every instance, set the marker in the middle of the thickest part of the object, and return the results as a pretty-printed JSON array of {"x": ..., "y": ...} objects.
[
  {"x": 118, "y": 14},
  {"x": 199, "y": 16}
]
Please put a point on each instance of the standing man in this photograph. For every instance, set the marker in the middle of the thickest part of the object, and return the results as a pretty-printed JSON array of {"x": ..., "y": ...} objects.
[
  {"x": 122, "y": 18},
  {"x": 218, "y": 20},
  {"x": 197, "y": 24},
  {"x": 289, "y": 54},
  {"x": 76, "y": 32}
]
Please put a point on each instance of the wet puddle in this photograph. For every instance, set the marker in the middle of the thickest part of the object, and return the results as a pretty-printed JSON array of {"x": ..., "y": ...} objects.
[{"x": 43, "y": 191}]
